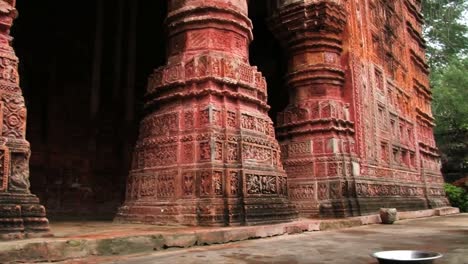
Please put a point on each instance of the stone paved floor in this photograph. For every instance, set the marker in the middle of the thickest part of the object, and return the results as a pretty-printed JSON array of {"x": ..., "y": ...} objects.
[{"x": 448, "y": 235}]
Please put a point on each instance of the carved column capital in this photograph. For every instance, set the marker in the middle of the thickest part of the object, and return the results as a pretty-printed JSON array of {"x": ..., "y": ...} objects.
[
  {"x": 196, "y": 25},
  {"x": 312, "y": 33},
  {"x": 309, "y": 24}
]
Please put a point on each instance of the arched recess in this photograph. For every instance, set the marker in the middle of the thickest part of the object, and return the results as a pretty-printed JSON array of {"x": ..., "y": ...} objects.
[{"x": 81, "y": 150}]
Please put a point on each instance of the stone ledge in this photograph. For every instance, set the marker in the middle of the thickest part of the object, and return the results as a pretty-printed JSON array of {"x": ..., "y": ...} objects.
[
  {"x": 447, "y": 211},
  {"x": 132, "y": 241},
  {"x": 428, "y": 213}
]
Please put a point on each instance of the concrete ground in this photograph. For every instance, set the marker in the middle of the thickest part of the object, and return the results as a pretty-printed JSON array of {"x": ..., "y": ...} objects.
[{"x": 447, "y": 234}]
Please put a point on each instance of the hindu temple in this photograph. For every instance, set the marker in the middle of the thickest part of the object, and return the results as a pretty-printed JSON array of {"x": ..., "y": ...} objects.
[{"x": 213, "y": 112}]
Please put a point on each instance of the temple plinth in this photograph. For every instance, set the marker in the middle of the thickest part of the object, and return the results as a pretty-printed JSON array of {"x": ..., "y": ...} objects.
[
  {"x": 21, "y": 214},
  {"x": 207, "y": 153}
]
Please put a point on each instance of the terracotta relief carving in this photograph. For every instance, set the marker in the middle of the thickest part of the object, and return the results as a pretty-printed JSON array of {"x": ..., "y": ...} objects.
[
  {"x": 360, "y": 95},
  {"x": 211, "y": 120},
  {"x": 4, "y": 169},
  {"x": 261, "y": 184},
  {"x": 20, "y": 211}
]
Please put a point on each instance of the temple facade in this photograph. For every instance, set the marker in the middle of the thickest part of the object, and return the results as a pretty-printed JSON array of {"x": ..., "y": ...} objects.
[
  {"x": 334, "y": 122},
  {"x": 357, "y": 133}
]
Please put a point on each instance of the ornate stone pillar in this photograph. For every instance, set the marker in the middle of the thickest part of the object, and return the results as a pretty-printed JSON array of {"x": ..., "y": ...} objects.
[
  {"x": 207, "y": 153},
  {"x": 21, "y": 215},
  {"x": 315, "y": 130}
]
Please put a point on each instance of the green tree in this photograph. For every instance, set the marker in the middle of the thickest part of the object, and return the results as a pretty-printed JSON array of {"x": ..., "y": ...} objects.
[
  {"x": 450, "y": 89},
  {"x": 446, "y": 32},
  {"x": 457, "y": 196}
]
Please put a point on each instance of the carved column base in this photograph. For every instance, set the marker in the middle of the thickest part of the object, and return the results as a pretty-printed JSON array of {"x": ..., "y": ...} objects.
[
  {"x": 438, "y": 202},
  {"x": 435, "y": 192},
  {"x": 327, "y": 209},
  {"x": 21, "y": 216},
  {"x": 183, "y": 212},
  {"x": 405, "y": 192},
  {"x": 321, "y": 187},
  {"x": 221, "y": 199},
  {"x": 268, "y": 211},
  {"x": 341, "y": 208},
  {"x": 324, "y": 198},
  {"x": 11, "y": 223},
  {"x": 209, "y": 212},
  {"x": 372, "y": 205},
  {"x": 158, "y": 213}
]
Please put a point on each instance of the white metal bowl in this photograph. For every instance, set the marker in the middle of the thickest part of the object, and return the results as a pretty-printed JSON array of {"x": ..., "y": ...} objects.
[{"x": 406, "y": 256}]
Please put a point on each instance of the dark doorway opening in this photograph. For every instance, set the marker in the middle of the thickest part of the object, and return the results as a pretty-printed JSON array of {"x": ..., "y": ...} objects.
[{"x": 84, "y": 67}]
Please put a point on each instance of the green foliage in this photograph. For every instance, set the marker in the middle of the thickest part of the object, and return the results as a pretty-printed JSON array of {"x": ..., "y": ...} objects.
[
  {"x": 450, "y": 93},
  {"x": 446, "y": 31},
  {"x": 450, "y": 88},
  {"x": 458, "y": 196}
]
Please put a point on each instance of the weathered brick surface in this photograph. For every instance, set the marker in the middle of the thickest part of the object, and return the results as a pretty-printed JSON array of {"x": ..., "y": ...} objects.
[
  {"x": 355, "y": 137},
  {"x": 21, "y": 215},
  {"x": 358, "y": 132},
  {"x": 207, "y": 152}
]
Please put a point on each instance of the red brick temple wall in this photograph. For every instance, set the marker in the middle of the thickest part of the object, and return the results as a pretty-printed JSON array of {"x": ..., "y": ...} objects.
[
  {"x": 352, "y": 113},
  {"x": 396, "y": 141},
  {"x": 358, "y": 132},
  {"x": 80, "y": 160}
]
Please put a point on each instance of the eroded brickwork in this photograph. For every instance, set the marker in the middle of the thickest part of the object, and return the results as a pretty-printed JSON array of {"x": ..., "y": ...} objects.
[
  {"x": 20, "y": 212},
  {"x": 358, "y": 132},
  {"x": 316, "y": 130},
  {"x": 398, "y": 142},
  {"x": 355, "y": 137},
  {"x": 207, "y": 153}
]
